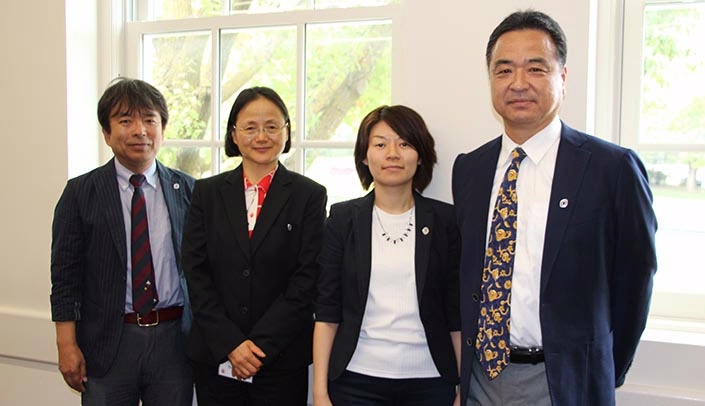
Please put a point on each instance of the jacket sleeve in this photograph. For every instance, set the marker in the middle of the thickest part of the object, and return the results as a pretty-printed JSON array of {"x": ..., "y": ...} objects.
[
  {"x": 635, "y": 262},
  {"x": 328, "y": 302},
  {"x": 67, "y": 265},
  {"x": 453, "y": 283}
]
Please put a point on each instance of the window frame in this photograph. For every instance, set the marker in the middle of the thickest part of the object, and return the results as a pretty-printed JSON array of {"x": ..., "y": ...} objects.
[
  {"x": 620, "y": 31},
  {"x": 133, "y": 64}
]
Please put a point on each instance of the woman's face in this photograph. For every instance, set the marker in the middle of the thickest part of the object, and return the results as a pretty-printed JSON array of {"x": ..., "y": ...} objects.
[
  {"x": 392, "y": 161},
  {"x": 260, "y": 133}
]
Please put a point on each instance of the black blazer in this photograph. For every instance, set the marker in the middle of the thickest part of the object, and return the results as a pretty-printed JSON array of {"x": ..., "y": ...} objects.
[
  {"x": 343, "y": 285},
  {"x": 89, "y": 258},
  {"x": 598, "y": 262},
  {"x": 261, "y": 288}
]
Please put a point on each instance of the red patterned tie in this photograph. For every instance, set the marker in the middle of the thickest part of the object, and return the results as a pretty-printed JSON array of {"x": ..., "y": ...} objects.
[
  {"x": 144, "y": 292},
  {"x": 492, "y": 345}
]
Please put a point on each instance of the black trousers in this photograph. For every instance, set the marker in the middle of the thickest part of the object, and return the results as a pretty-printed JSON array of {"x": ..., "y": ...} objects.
[
  {"x": 353, "y": 389},
  {"x": 278, "y": 388}
]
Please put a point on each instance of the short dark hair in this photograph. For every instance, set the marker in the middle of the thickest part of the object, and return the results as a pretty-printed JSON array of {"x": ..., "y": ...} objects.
[
  {"x": 242, "y": 100},
  {"x": 530, "y": 20},
  {"x": 125, "y": 95},
  {"x": 409, "y": 125}
]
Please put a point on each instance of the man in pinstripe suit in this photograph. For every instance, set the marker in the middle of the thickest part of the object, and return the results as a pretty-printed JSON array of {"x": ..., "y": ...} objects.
[{"x": 107, "y": 351}]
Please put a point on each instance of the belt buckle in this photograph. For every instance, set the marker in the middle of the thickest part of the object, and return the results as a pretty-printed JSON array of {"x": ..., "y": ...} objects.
[{"x": 139, "y": 320}]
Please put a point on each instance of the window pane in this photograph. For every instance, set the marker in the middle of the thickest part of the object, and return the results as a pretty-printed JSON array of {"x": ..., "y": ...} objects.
[
  {"x": 270, "y": 6},
  {"x": 348, "y": 73},
  {"x": 154, "y": 10},
  {"x": 194, "y": 161},
  {"x": 334, "y": 168},
  {"x": 321, "y": 4},
  {"x": 179, "y": 66},
  {"x": 267, "y": 6},
  {"x": 258, "y": 57},
  {"x": 678, "y": 183},
  {"x": 228, "y": 163},
  {"x": 673, "y": 102}
]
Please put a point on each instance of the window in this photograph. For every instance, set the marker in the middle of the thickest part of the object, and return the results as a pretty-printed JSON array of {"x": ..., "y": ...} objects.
[
  {"x": 330, "y": 66},
  {"x": 663, "y": 118}
]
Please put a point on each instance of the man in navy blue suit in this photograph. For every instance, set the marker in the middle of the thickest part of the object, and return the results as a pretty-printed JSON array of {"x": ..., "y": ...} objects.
[
  {"x": 583, "y": 257},
  {"x": 108, "y": 351}
]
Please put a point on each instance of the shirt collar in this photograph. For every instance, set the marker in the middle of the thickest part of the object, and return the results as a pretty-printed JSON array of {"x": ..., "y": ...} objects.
[
  {"x": 535, "y": 147},
  {"x": 124, "y": 174},
  {"x": 264, "y": 183}
]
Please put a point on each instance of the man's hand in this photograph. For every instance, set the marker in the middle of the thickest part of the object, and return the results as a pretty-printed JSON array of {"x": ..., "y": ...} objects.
[
  {"x": 73, "y": 366},
  {"x": 71, "y": 362},
  {"x": 246, "y": 360}
]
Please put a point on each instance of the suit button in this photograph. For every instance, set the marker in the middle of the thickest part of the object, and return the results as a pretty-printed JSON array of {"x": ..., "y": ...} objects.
[
  {"x": 243, "y": 310},
  {"x": 469, "y": 342},
  {"x": 245, "y": 273},
  {"x": 475, "y": 297}
]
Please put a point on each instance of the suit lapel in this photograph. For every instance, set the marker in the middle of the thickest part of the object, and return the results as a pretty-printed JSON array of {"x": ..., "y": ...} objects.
[
  {"x": 362, "y": 228},
  {"x": 477, "y": 199},
  {"x": 571, "y": 163},
  {"x": 232, "y": 191},
  {"x": 107, "y": 189},
  {"x": 277, "y": 196},
  {"x": 175, "y": 204},
  {"x": 424, "y": 221}
]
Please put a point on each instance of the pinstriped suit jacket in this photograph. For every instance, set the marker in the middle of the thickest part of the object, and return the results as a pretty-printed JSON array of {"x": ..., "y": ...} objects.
[{"x": 89, "y": 257}]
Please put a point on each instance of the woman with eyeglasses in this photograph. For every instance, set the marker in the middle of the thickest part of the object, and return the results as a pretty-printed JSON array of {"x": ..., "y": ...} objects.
[
  {"x": 249, "y": 253},
  {"x": 387, "y": 311}
]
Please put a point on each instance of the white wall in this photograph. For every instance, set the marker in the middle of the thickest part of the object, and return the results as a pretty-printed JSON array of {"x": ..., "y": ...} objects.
[{"x": 441, "y": 73}]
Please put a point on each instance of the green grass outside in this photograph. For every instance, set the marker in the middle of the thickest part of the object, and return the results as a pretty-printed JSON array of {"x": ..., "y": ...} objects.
[{"x": 678, "y": 192}]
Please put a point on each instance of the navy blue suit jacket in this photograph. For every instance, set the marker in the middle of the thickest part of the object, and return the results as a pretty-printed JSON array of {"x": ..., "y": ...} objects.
[
  {"x": 597, "y": 269},
  {"x": 89, "y": 258},
  {"x": 345, "y": 278}
]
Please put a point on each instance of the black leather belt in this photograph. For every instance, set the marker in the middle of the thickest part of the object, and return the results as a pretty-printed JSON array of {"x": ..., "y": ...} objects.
[{"x": 519, "y": 355}]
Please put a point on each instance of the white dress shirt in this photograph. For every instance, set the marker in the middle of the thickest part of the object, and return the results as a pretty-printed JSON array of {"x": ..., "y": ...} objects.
[{"x": 533, "y": 194}]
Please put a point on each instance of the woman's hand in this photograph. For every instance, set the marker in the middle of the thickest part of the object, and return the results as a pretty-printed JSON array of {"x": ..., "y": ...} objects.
[{"x": 246, "y": 359}]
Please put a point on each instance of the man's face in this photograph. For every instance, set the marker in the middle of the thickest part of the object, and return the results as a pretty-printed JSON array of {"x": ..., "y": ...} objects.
[
  {"x": 135, "y": 137},
  {"x": 527, "y": 82}
]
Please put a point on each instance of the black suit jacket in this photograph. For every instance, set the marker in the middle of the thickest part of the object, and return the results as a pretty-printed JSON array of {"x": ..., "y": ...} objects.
[
  {"x": 345, "y": 278},
  {"x": 89, "y": 257},
  {"x": 598, "y": 262},
  {"x": 260, "y": 288}
]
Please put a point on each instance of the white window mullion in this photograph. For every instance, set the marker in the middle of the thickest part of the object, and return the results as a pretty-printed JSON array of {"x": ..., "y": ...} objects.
[
  {"x": 300, "y": 96},
  {"x": 215, "y": 101}
]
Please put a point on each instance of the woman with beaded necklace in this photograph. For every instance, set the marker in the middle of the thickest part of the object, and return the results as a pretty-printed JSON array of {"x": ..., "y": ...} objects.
[{"x": 387, "y": 319}]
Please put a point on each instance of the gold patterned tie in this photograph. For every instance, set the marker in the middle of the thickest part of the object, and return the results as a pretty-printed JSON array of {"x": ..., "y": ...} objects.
[{"x": 492, "y": 344}]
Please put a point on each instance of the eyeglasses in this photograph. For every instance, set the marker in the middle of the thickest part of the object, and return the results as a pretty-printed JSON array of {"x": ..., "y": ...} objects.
[{"x": 271, "y": 130}]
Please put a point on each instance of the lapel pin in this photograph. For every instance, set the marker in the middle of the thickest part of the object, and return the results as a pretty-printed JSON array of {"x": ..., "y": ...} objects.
[
  {"x": 288, "y": 227},
  {"x": 176, "y": 186},
  {"x": 425, "y": 231},
  {"x": 563, "y": 203}
]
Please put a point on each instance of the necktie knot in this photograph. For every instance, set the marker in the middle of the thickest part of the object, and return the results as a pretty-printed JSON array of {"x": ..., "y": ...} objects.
[
  {"x": 137, "y": 180},
  {"x": 518, "y": 155}
]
